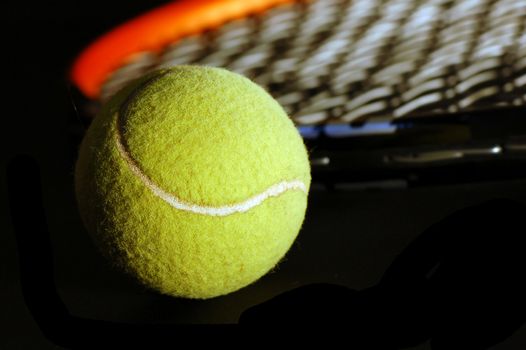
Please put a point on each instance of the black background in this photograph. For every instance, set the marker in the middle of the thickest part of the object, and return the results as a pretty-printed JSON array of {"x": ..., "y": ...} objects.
[{"x": 349, "y": 237}]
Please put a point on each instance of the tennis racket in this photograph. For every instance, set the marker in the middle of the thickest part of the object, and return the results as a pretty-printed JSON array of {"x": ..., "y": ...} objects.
[{"x": 386, "y": 93}]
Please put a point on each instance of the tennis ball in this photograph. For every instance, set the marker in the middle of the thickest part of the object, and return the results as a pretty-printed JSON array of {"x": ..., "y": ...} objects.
[{"x": 193, "y": 180}]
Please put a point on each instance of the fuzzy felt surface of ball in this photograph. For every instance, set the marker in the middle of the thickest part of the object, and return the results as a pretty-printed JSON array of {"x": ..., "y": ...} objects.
[{"x": 193, "y": 180}]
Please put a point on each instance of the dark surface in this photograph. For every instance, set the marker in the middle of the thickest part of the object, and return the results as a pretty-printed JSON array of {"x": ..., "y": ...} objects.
[{"x": 349, "y": 238}]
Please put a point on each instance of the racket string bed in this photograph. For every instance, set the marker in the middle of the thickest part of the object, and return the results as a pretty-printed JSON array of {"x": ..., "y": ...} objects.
[{"x": 350, "y": 61}]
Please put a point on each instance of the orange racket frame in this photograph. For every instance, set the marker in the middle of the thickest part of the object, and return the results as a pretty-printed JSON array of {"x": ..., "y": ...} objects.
[{"x": 154, "y": 30}]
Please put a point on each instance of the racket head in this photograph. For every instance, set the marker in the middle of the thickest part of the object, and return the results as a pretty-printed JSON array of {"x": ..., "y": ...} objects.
[
  {"x": 362, "y": 79},
  {"x": 329, "y": 61}
]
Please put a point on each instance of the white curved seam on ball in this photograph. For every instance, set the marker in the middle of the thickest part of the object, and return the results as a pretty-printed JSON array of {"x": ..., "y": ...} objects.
[{"x": 241, "y": 207}]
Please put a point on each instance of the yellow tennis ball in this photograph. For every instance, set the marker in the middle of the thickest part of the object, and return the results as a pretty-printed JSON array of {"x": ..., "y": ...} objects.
[{"x": 193, "y": 180}]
